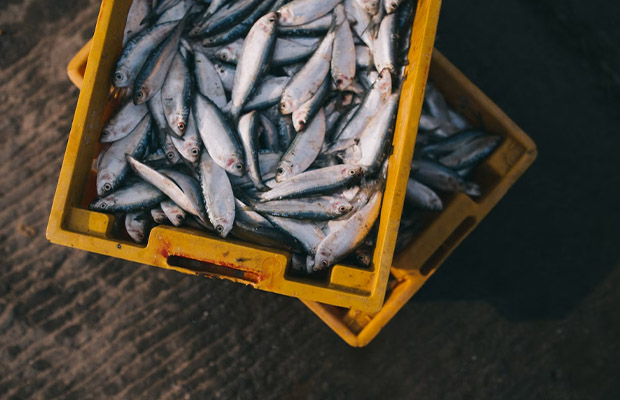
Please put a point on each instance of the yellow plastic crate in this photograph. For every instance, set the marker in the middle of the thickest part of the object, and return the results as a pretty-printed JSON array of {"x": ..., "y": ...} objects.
[
  {"x": 440, "y": 236},
  {"x": 193, "y": 252}
]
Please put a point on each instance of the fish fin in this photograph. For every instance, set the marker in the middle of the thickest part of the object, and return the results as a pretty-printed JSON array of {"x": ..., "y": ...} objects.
[{"x": 341, "y": 145}]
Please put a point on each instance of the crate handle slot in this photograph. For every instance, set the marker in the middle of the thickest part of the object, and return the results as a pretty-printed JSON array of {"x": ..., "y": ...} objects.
[
  {"x": 205, "y": 268},
  {"x": 439, "y": 255}
]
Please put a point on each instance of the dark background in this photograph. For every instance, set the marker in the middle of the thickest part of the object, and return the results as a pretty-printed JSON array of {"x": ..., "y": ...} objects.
[{"x": 526, "y": 307}]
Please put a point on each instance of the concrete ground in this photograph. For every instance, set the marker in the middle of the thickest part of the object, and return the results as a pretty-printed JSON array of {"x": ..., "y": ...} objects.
[{"x": 526, "y": 307}]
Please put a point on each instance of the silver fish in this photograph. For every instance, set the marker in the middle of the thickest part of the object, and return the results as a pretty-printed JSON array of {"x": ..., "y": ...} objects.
[
  {"x": 360, "y": 21},
  {"x": 113, "y": 166},
  {"x": 442, "y": 178},
  {"x": 270, "y": 134},
  {"x": 134, "y": 197},
  {"x": 313, "y": 182},
  {"x": 313, "y": 28},
  {"x": 419, "y": 195},
  {"x": 370, "y": 6},
  {"x": 173, "y": 212},
  {"x": 218, "y": 195},
  {"x": 190, "y": 187},
  {"x": 391, "y": 5},
  {"x": 248, "y": 136},
  {"x": 155, "y": 68},
  {"x": 136, "y": 51},
  {"x": 363, "y": 57},
  {"x": 343, "y": 53},
  {"x": 313, "y": 208},
  {"x": 189, "y": 145},
  {"x": 137, "y": 225},
  {"x": 306, "y": 112},
  {"x": 299, "y": 12},
  {"x": 217, "y": 136},
  {"x": 471, "y": 153},
  {"x": 342, "y": 241},
  {"x": 383, "y": 46},
  {"x": 254, "y": 61},
  {"x": 267, "y": 165},
  {"x": 374, "y": 137},
  {"x": 308, "y": 80},
  {"x": 303, "y": 150},
  {"x": 176, "y": 12},
  {"x": 122, "y": 122},
  {"x": 167, "y": 185},
  {"x": 176, "y": 95},
  {"x": 208, "y": 81},
  {"x": 376, "y": 96}
]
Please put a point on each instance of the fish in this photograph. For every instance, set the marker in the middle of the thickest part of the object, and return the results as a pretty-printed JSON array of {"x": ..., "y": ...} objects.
[
  {"x": 218, "y": 137},
  {"x": 383, "y": 47},
  {"x": 135, "y": 19},
  {"x": 351, "y": 233},
  {"x": 137, "y": 225},
  {"x": 309, "y": 79},
  {"x": 133, "y": 197},
  {"x": 122, "y": 122},
  {"x": 452, "y": 143},
  {"x": 471, "y": 153},
  {"x": 343, "y": 62},
  {"x": 269, "y": 134},
  {"x": 208, "y": 81},
  {"x": 391, "y": 5},
  {"x": 158, "y": 215},
  {"x": 303, "y": 150},
  {"x": 190, "y": 144},
  {"x": 248, "y": 134},
  {"x": 217, "y": 192},
  {"x": 155, "y": 68},
  {"x": 421, "y": 196},
  {"x": 309, "y": 235},
  {"x": 306, "y": 112},
  {"x": 440, "y": 177},
  {"x": 173, "y": 212},
  {"x": 314, "y": 28},
  {"x": 313, "y": 182},
  {"x": 226, "y": 16},
  {"x": 113, "y": 166},
  {"x": 176, "y": 95},
  {"x": 136, "y": 51},
  {"x": 312, "y": 208}
]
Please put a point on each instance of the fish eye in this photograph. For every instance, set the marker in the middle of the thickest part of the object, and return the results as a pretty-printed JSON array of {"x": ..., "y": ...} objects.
[
  {"x": 194, "y": 151},
  {"x": 301, "y": 123},
  {"x": 223, "y": 56},
  {"x": 140, "y": 94},
  {"x": 180, "y": 217},
  {"x": 219, "y": 228},
  {"x": 352, "y": 172},
  {"x": 324, "y": 264},
  {"x": 342, "y": 209},
  {"x": 338, "y": 82},
  {"x": 118, "y": 76},
  {"x": 280, "y": 170},
  {"x": 107, "y": 187},
  {"x": 103, "y": 205},
  {"x": 181, "y": 126},
  {"x": 239, "y": 166},
  {"x": 272, "y": 20},
  {"x": 170, "y": 155}
]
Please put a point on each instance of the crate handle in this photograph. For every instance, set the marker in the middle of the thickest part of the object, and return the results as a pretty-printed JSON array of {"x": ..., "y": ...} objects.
[{"x": 204, "y": 268}]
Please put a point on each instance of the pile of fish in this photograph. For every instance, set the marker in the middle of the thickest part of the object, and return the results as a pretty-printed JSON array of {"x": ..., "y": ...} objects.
[
  {"x": 269, "y": 120},
  {"x": 447, "y": 150}
]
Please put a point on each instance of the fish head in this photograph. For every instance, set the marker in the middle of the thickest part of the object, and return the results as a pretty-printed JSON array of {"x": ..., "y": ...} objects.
[
  {"x": 235, "y": 165},
  {"x": 103, "y": 204},
  {"x": 340, "y": 206},
  {"x": 106, "y": 134},
  {"x": 192, "y": 150},
  {"x": 351, "y": 171},
  {"x": 141, "y": 95},
  {"x": 224, "y": 54},
  {"x": 286, "y": 105},
  {"x": 391, "y": 6},
  {"x": 136, "y": 233},
  {"x": 322, "y": 260},
  {"x": 178, "y": 216},
  {"x": 105, "y": 183},
  {"x": 121, "y": 77},
  {"x": 299, "y": 121},
  {"x": 285, "y": 16},
  {"x": 159, "y": 218},
  {"x": 284, "y": 171},
  {"x": 267, "y": 23},
  {"x": 342, "y": 81},
  {"x": 222, "y": 226}
]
